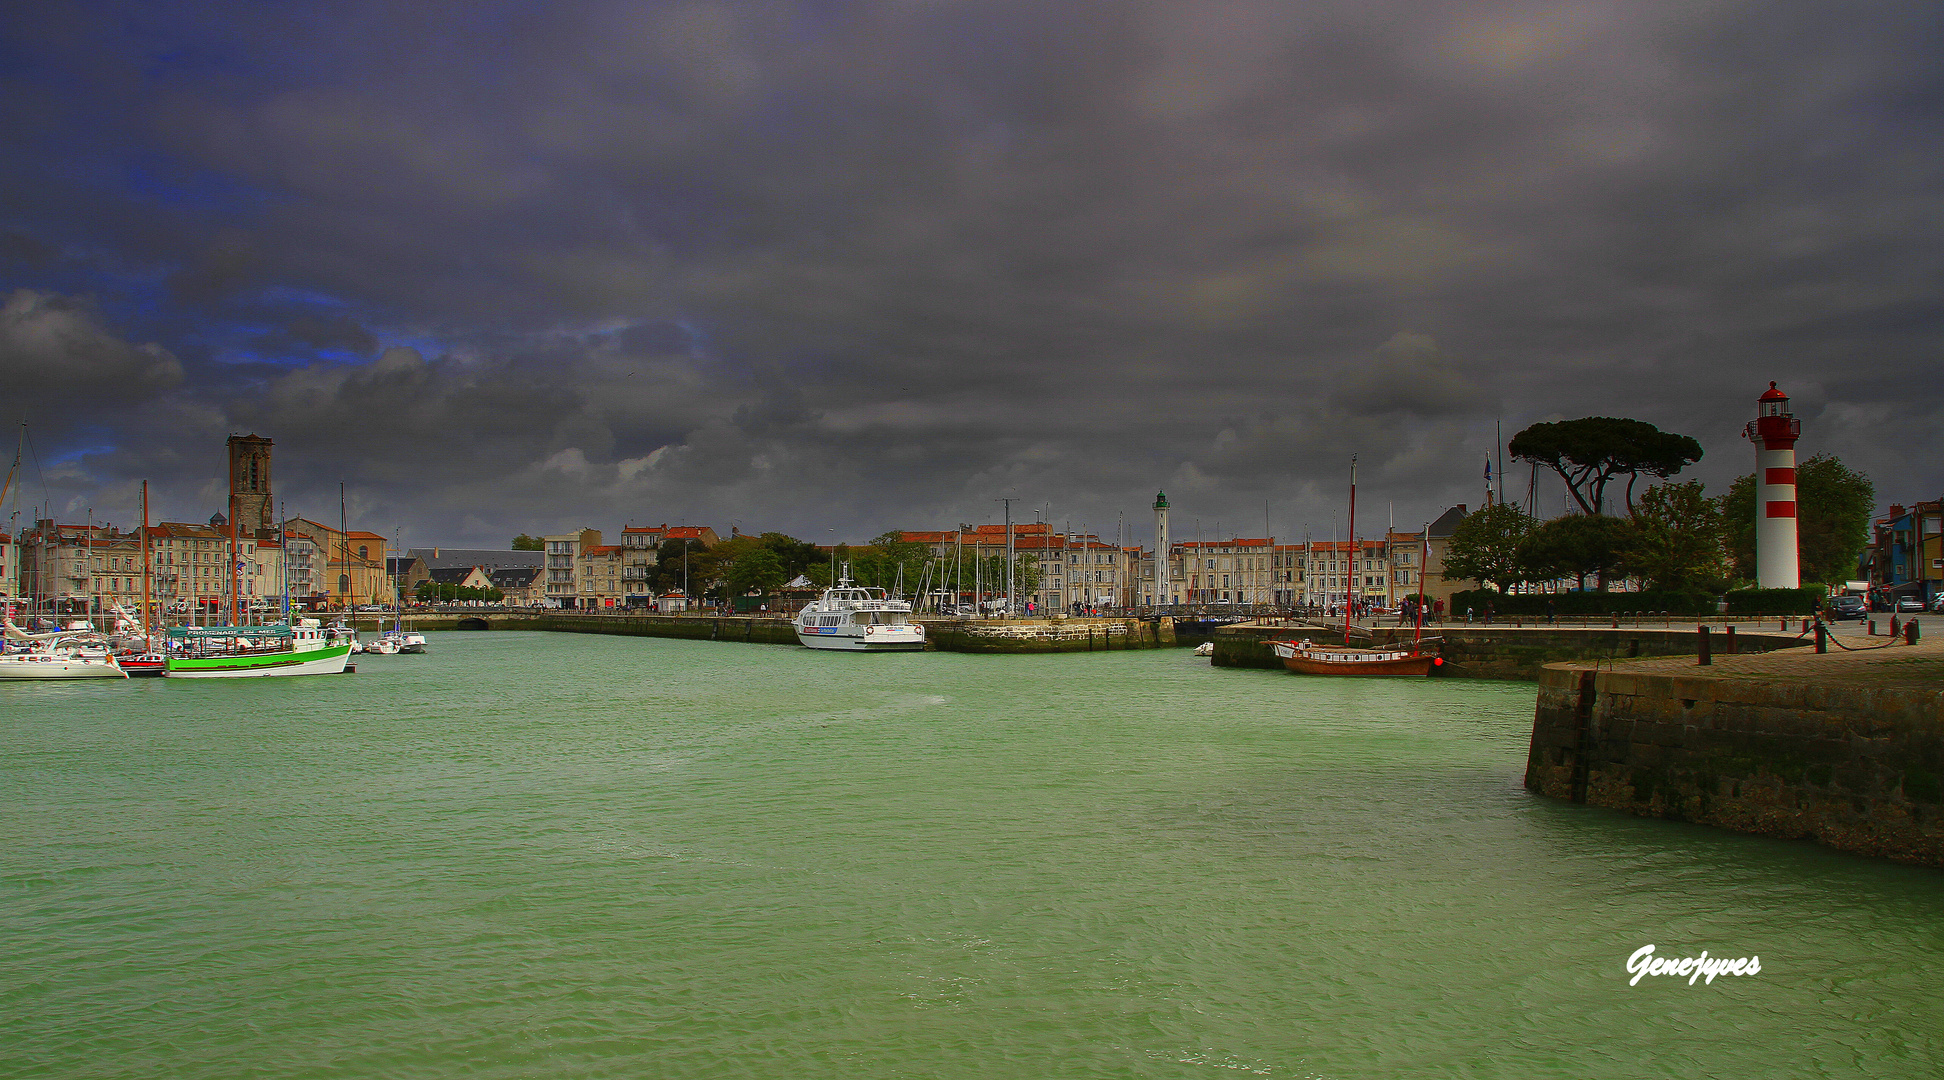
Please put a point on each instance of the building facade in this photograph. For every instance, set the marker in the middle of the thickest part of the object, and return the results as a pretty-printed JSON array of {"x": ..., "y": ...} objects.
[
  {"x": 251, "y": 504},
  {"x": 343, "y": 569},
  {"x": 563, "y": 557},
  {"x": 598, "y": 576}
]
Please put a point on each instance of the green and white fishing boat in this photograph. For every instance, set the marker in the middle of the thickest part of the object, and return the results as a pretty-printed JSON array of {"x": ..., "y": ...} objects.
[{"x": 250, "y": 652}]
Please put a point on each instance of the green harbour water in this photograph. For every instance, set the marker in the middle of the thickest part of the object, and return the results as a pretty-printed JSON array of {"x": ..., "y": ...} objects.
[{"x": 533, "y": 855}]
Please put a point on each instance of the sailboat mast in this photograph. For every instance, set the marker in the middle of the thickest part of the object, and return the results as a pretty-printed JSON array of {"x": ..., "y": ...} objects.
[
  {"x": 1348, "y": 592},
  {"x": 1424, "y": 560},
  {"x": 148, "y": 620}
]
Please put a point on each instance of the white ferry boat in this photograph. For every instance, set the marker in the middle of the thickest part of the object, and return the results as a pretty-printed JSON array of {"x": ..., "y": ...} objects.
[{"x": 858, "y": 619}]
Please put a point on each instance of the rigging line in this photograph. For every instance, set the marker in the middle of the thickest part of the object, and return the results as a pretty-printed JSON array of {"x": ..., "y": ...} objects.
[{"x": 33, "y": 454}]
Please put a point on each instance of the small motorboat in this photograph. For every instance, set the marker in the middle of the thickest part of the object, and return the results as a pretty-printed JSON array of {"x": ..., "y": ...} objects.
[
  {"x": 1206, "y": 648},
  {"x": 144, "y": 664},
  {"x": 384, "y": 646}
]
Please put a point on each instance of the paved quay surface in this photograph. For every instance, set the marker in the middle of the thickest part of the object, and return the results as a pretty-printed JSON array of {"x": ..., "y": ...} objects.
[{"x": 1865, "y": 661}]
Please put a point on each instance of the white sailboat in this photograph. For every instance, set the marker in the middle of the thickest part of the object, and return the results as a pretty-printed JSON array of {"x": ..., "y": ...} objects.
[{"x": 62, "y": 657}]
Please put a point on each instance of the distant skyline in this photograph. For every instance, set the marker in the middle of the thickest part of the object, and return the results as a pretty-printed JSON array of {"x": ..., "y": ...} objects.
[{"x": 506, "y": 268}]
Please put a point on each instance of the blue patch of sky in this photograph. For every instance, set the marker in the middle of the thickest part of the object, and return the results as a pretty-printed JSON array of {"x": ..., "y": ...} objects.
[
  {"x": 428, "y": 347},
  {"x": 284, "y": 294},
  {"x": 155, "y": 178},
  {"x": 75, "y": 453}
]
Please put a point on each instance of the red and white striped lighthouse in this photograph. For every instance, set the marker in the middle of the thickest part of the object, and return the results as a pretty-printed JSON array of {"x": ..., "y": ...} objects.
[{"x": 1774, "y": 432}]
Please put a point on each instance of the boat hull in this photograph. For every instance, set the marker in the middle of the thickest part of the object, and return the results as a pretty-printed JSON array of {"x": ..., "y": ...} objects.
[
  {"x": 330, "y": 660},
  {"x": 35, "y": 667},
  {"x": 1356, "y": 662},
  {"x": 860, "y": 642}
]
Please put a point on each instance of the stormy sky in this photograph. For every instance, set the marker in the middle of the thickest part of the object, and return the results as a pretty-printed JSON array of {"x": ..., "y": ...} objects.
[{"x": 833, "y": 268}]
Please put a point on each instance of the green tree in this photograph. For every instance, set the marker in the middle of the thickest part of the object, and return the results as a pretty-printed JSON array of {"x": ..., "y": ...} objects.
[
  {"x": 1575, "y": 546},
  {"x": 1591, "y": 452},
  {"x": 1677, "y": 539},
  {"x": 757, "y": 570},
  {"x": 523, "y": 542},
  {"x": 1485, "y": 546},
  {"x": 879, "y": 564},
  {"x": 703, "y": 567},
  {"x": 795, "y": 555},
  {"x": 1833, "y": 508}
]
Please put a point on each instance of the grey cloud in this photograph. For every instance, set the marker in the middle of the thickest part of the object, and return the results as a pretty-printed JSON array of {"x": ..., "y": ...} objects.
[
  {"x": 56, "y": 352},
  {"x": 1408, "y": 375},
  {"x": 876, "y": 264}
]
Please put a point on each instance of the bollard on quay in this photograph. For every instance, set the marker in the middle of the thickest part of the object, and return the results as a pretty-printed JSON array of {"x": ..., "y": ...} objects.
[{"x": 1707, "y": 656}]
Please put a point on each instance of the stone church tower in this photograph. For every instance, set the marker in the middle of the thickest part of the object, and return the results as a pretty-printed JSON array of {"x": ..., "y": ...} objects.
[{"x": 251, "y": 505}]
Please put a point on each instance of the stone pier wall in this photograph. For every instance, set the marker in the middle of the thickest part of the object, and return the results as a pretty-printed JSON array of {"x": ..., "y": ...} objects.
[
  {"x": 1049, "y": 635},
  {"x": 1854, "y": 763},
  {"x": 1497, "y": 652},
  {"x": 946, "y": 635}
]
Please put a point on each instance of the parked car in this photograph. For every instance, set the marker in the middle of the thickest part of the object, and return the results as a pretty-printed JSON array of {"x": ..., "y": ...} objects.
[
  {"x": 1910, "y": 603},
  {"x": 1847, "y": 607}
]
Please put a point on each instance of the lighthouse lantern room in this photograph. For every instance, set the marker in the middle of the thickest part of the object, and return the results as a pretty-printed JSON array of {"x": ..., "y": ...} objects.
[{"x": 1774, "y": 432}]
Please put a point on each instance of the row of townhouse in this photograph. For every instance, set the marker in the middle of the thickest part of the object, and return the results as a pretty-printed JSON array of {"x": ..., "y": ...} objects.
[
  {"x": 1905, "y": 556},
  {"x": 520, "y": 576},
  {"x": 1080, "y": 570},
  {"x": 196, "y": 567},
  {"x": 582, "y": 572},
  {"x": 1074, "y": 570}
]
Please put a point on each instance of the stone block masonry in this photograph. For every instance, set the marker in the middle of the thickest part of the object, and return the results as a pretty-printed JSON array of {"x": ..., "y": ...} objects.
[
  {"x": 1845, "y": 749},
  {"x": 1493, "y": 652},
  {"x": 943, "y": 635}
]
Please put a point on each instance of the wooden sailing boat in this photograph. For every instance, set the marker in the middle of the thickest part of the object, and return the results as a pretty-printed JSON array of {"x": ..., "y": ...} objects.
[{"x": 1306, "y": 658}]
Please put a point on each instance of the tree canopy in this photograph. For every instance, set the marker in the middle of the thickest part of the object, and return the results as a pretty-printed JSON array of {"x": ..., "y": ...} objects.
[
  {"x": 1833, "y": 508},
  {"x": 1676, "y": 541},
  {"x": 1485, "y": 546},
  {"x": 1575, "y": 546},
  {"x": 523, "y": 542},
  {"x": 1591, "y": 452}
]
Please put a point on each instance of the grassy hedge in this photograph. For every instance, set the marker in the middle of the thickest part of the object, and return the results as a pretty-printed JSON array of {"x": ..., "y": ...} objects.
[
  {"x": 1775, "y": 601},
  {"x": 1674, "y": 601}
]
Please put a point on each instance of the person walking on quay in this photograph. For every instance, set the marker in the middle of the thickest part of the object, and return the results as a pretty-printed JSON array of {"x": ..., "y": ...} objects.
[{"x": 1551, "y": 612}]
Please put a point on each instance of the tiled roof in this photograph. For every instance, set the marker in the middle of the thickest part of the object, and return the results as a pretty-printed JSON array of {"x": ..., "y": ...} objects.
[
  {"x": 1237, "y": 542},
  {"x": 490, "y": 558},
  {"x": 1447, "y": 522}
]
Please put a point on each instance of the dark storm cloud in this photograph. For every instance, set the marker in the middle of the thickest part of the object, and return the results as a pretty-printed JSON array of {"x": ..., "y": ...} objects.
[{"x": 505, "y": 268}]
